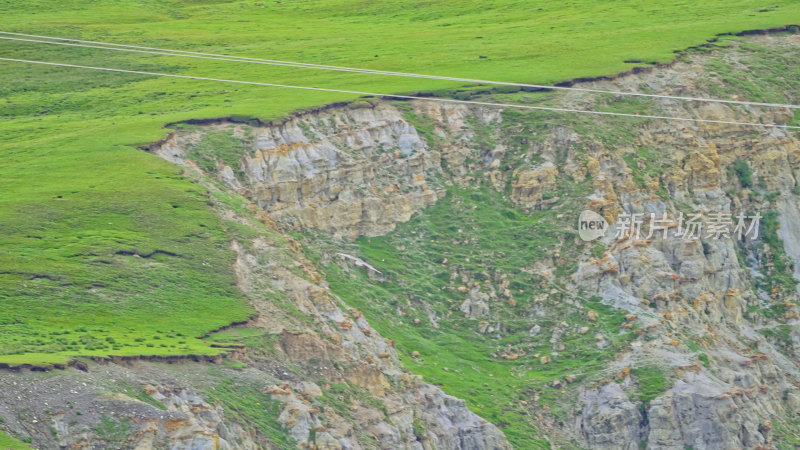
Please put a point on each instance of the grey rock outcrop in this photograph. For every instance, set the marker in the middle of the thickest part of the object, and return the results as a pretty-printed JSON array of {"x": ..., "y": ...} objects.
[{"x": 609, "y": 419}]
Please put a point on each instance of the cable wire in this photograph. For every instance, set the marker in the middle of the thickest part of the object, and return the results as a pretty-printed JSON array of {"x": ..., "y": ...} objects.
[{"x": 407, "y": 97}]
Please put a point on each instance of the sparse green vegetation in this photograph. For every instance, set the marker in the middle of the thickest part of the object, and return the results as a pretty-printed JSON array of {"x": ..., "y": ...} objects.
[
  {"x": 652, "y": 382},
  {"x": 420, "y": 430},
  {"x": 649, "y": 165},
  {"x": 340, "y": 396},
  {"x": 786, "y": 433},
  {"x": 113, "y": 431},
  {"x": 781, "y": 336},
  {"x": 139, "y": 394},
  {"x": 765, "y": 74},
  {"x": 249, "y": 406},
  {"x": 742, "y": 169},
  {"x": 423, "y": 124},
  {"x": 9, "y": 443},
  {"x": 216, "y": 146},
  {"x": 778, "y": 279}
]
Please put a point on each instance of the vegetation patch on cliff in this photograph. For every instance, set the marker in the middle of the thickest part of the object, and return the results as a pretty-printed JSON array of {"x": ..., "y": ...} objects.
[
  {"x": 473, "y": 244},
  {"x": 249, "y": 406}
]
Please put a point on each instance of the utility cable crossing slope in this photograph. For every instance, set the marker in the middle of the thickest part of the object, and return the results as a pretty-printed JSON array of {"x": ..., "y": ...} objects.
[{"x": 406, "y": 97}]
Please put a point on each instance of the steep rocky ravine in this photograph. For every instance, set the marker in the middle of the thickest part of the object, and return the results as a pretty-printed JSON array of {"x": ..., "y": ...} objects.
[{"x": 379, "y": 240}]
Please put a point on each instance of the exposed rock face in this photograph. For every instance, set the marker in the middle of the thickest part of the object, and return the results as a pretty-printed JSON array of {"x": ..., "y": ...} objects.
[
  {"x": 609, "y": 419},
  {"x": 455, "y": 426},
  {"x": 532, "y": 184},
  {"x": 708, "y": 414},
  {"x": 352, "y": 171},
  {"x": 475, "y": 306},
  {"x": 704, "y": 287},
  {"x": 73, "y": 411}
]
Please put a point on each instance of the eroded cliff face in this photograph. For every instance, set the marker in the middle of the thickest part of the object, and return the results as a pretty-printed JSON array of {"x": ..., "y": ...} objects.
[
  {"x": 721, "y": 299},
  {"x": 717, "y": 315},
  {"x": 698, "y": 345},
  {"x": 353, "y": 170}
]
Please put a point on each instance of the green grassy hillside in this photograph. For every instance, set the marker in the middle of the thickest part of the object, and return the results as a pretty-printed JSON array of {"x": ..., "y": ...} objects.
[{"x": 106, "y": 249}]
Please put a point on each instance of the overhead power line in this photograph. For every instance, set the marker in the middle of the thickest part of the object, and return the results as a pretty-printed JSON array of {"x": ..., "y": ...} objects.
[
  {"x": 407, "y": 97},
  {"x": 52, "y": 40}
]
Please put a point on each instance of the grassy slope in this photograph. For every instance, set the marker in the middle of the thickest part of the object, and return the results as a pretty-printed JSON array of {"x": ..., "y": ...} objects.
[
  {"x": 9, "y": 443},
  {"x": 76, "y": 191}
]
